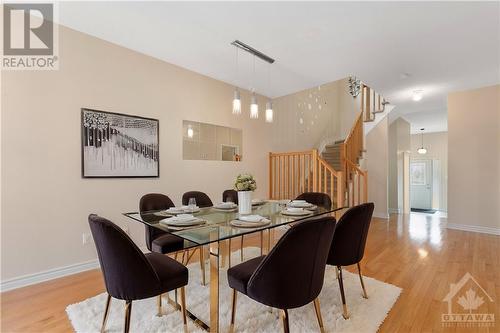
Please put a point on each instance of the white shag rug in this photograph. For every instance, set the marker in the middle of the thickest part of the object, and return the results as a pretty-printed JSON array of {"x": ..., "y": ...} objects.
[{"x": 366, "y": 315}]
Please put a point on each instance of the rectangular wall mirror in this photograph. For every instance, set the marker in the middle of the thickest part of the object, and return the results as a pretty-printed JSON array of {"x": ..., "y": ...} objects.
[{"x": 203, "y": 141}]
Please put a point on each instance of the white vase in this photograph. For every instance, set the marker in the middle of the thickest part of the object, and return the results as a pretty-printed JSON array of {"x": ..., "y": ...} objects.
[{"x": 245, "y": 202}]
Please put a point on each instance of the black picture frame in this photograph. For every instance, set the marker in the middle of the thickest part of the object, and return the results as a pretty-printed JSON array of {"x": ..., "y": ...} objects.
[{"x": 155, "y": 152}]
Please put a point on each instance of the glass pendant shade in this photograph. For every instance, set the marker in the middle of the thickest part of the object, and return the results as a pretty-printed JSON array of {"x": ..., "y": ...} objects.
[
  {"x": 254, "y": 107},
  {"x": 236, "y": 102},
  {"x": 422, "y": 150},
  {"x": 269, "y": 112}
]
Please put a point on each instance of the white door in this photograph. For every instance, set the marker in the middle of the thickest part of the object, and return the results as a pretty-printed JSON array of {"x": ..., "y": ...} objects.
[{"x": 421, "y": 184}]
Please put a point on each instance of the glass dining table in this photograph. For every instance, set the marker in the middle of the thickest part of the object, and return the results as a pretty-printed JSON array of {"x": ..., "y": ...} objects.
[{"x": 216, "y": 235}]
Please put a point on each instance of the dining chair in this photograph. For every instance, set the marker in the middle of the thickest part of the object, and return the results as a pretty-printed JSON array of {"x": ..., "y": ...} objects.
[
  {"x": 202, "y": 199},
  {"x": 316, "y": 198},
  {"x": 132, "y": 275},
  {"x": 291, "y": 275},
  {"x": 348, "y": 244},
  {"x": 161, "y": 241},
  {"x": 231, "y": 195}
]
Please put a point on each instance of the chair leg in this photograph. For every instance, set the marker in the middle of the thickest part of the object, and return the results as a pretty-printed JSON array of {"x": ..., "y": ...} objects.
[
  {"x": 365, "y": 295},
  {"x": 229, "y": 253},
  {"x": 158, "y": 305},
  {"x": 128, "y": 311},
  {"x": 106, "y": 312},
  {"x": 345, "y": 314},
  {"x": 284, "y": 317},
  {"x": 241, "y": 249},
  {"x": 317, "y": 308},
  {"x": 183, "y": 306},
  {"x": 233, "y": 311},
  {"x": 202, "y": 265}
]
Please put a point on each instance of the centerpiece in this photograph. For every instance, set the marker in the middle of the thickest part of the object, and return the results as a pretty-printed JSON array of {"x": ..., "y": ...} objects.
[{"x": 245, "y": 184}]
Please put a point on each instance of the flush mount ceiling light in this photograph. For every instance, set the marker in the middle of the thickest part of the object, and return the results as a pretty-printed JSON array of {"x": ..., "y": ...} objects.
[
  {"x": 190, "y": 132},
  {"x": 422, "y": 150},
  {"x": 417, "y": 95},
  {"x": 254, "y": 107}
]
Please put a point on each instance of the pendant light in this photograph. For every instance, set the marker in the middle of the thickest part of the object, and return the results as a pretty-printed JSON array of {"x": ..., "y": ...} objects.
[
  {"x": 269, "y": 104},
  {"x": 254, "y": 107},
  {"x": 422, "y": 150},
  {"x": 236, "y": 97},
  {"x": 190, "y": 132}
]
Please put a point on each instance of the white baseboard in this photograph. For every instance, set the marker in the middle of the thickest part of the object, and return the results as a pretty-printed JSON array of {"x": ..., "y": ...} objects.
[
  {"x": 381, "y": 215},
  {"x": 29, "y": 279},
  {"x": 50, "y": 274},
  {"x": 474, "y": 228},
  {"x": 394, "y": 211}
]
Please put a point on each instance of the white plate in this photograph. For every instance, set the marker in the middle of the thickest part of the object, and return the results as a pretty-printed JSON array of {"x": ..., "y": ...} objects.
[
  {"x": 226, "y": 207},
  {"x": 258, "y": 202},
  {"x": 182, "y": 210},
  {"x": 296, "y": 213},
  {"x": 243, "y": 224},
  {"x": 183, "y": 223}
]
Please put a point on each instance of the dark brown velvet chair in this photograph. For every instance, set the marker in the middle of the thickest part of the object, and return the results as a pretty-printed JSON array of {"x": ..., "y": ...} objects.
[
  {"x": 202, "y": 199},
  {"x": 232, "y": 195},
  {"x": 291, "y": 275},
  {"x": 316, "y": 198},
  {"x": 160, "y": 241},
  {"x": 129, "y": 274},
  {"x": 348, "y": 244},
  {"x": 156, "y": 239}
]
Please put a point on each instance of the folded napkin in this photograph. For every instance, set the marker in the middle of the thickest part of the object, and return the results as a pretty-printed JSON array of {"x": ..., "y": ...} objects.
[
  {"x": 226, "y": 205},
  {"x": 252, "y": 218},
  {"x": 180, "y": 218},
  {"x": 295, "y": 209}
]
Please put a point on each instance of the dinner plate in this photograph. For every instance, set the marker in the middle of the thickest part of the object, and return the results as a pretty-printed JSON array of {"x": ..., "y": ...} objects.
[
  {"x": 295, "y": 213},
  {"x": 183, "y": 223},
  {"x": 243, "y": 224},
  {"x": 300, "y": 204},
  {"x": 257, "y": 202},
  {"x": 180, "y": 210}
]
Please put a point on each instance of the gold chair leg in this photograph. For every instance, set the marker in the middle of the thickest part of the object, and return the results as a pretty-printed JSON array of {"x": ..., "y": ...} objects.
[
  {"x": 183, "y": 309},
  {"x": 233, "y": 311},
  {"x": 229, "y": 253},
  {"x": 202, "y": 264},
  {"x": 317, "y": 308},
  {"x": 284, "y": 318},
  {"x": 365, "y": 295},
  {"x": 241, "y": 249},
  {"x": 345, "y": 314},
  {"x": 106, "y": 312},
  {"x": 128, "y": 311},
  {"x": 261, "y": 243},
  {"x": 158, "y": 305}
]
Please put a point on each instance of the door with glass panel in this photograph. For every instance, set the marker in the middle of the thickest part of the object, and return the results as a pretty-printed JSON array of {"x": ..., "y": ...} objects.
[{"x": 421, "y": 184}]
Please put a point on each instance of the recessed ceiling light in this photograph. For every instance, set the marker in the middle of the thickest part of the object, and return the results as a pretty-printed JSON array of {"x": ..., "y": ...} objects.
[{"x": 417, "y": 95}]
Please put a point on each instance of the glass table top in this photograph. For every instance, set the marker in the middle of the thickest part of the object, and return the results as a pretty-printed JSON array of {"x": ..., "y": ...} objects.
[{"x": 218, "y": 226}]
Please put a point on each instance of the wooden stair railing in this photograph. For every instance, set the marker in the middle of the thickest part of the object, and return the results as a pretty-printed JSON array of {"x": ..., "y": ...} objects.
[
  {"x": 292, "y": 173},
  {"x": 357, "y": 184}
]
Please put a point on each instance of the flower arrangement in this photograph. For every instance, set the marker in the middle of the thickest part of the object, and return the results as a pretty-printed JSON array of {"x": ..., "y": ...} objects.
[{"x": 245, "y": 182}]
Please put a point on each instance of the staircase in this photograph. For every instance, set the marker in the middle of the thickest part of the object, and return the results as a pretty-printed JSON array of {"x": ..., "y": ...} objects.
[{"x": 336, "y": 170}]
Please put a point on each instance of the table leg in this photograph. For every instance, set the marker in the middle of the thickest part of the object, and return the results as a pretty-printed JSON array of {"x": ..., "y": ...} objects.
[{"x": 214, "y": 286}]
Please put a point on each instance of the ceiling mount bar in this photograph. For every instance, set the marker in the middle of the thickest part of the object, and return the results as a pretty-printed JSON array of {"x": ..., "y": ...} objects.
[{"x": 253, "y": 51}]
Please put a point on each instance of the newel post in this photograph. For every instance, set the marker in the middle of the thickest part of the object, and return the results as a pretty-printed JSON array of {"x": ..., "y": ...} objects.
[{"x": 315, "y": 169}]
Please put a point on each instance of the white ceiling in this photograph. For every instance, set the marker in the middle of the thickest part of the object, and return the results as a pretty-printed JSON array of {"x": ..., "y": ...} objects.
[{"x": 444, "y": 46}]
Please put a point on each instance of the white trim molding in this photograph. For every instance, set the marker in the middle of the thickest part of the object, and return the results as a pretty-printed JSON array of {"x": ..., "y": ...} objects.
[
  {"x": 474, "y": 228},
  {"x": 381, "y": 215},
  {"x": 50, "y": 274},
  {"x": 394, "y": 211}
]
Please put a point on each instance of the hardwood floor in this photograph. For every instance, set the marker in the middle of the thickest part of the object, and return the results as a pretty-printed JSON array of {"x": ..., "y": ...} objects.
[{"x": 414, "y": 252}]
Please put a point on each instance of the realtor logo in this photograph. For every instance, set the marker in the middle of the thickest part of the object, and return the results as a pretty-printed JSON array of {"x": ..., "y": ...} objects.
[
  {"x": 29, "y": 36},
  {"x": 467, "y": 305}
]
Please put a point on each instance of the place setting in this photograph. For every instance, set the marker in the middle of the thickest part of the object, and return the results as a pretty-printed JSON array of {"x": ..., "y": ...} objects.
[
  {"x": 298, "y": 208},
  {"x": 227, "y": 206},
  {"x": 250, "y": 221},
  {"x": 183, "y": 221}
]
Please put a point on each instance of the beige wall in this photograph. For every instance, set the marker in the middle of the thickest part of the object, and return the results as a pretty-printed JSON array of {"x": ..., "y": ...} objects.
[
  {"x": 474, "y": 159},
  {"x": 45, "y": 202},
  {"x": 399, "y": 144},
  {"x": 314, "y": 117},
  {"x": 437, "y": 150},
  {"x": 377, "y": 164}
]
